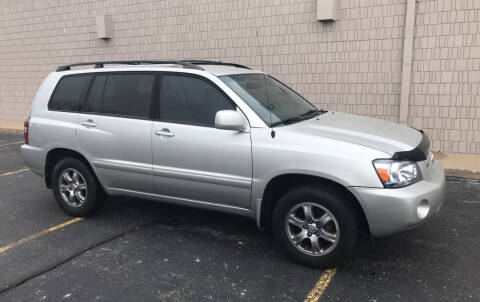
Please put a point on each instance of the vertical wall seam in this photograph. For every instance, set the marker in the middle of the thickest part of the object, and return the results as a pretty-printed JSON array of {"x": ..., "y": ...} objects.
[{"x": 407, "y": 60}]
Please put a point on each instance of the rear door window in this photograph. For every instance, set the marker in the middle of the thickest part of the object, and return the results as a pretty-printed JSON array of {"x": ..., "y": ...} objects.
[
  {"x": 128, "y": 95},
  {"x": 70, "y": 93}
]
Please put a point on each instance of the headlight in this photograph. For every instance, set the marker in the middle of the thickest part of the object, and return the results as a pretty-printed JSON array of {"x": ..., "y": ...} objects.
[{"x": 396, "y": 174}]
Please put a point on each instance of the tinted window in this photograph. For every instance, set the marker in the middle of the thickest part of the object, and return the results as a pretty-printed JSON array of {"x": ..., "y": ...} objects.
[
  {"x": 95, "y": 95},
  {"x": 190, "y": 100},
  {"x": 128, "y": 95},
  {"x": 70, "y": 93}
]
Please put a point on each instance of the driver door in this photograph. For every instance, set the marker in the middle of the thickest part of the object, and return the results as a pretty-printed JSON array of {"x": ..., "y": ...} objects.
[{"x": 192, "y": 160}]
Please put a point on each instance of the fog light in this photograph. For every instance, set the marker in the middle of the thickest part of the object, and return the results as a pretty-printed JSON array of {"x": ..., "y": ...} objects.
[{"x": 423, "y": 209}]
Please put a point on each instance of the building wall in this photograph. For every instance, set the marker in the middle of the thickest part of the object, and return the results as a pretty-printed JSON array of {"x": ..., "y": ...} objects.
[
  {"x": 352, "y": 65},
  {"x": 445, "y": 91}
]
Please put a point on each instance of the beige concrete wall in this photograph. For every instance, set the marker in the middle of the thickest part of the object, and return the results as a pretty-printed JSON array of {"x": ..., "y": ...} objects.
[{"x": 351, "y": 65}]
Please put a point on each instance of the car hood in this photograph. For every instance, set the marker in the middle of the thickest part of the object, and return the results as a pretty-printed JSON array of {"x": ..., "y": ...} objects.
[{"x": 374, "y": 133}]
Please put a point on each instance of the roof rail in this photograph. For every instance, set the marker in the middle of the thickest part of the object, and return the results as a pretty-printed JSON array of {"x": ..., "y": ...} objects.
[
  {"x": 206, "y": 62},
  {"x": 100, "y": 64}
]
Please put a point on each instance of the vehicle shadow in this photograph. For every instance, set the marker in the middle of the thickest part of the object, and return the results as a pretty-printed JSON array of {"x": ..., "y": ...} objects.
[
  {"x": 234, "y": 228},
  {"x": 176, "y": 215},
  {"x": 224, "y": 226}
]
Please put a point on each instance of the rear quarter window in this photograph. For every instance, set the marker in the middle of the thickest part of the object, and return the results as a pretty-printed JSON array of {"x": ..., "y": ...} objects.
[{"x": 70, "y": 93}]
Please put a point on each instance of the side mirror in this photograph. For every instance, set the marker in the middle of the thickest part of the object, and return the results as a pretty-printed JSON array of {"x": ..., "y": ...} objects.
[{"x": 229, "y": 120}]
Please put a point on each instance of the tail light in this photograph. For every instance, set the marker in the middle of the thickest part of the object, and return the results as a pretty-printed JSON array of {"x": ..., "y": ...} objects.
[{"x": 26, "y": 125}]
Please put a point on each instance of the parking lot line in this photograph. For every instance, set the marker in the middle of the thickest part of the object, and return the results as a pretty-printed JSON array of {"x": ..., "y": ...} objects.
[
  {"x": 39, "y": 234},
  {"x": 15, "y": 143},
  {"x": 14, "y": 172},
  {"x": 317, "y": 291}
]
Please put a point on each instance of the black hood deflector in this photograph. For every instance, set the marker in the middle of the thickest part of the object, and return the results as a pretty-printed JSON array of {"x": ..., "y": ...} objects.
[{"x": 420, "y": 153}]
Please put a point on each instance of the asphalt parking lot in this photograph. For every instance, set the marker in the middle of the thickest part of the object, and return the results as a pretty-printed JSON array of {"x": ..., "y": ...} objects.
[{"x": 145, "y": 251}]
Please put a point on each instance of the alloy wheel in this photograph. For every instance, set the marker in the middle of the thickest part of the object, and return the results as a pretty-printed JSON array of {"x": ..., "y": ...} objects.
[
  {"x": 72, "y": 187},
  {"x": 312, "y": 229}
]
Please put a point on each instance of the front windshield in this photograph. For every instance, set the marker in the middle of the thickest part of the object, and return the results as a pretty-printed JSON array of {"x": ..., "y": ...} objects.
[{"x": 275, "y": 104}]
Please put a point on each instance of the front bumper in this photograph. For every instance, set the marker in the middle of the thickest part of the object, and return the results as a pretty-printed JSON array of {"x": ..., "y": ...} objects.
[{"x": 390, "y": 211}]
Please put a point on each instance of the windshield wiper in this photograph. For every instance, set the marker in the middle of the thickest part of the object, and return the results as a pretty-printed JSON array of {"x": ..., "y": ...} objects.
[
  {"x": 309, "y": 112},
  {"x": 288, "y": 121},
  {"x": 304, "y": 116}
]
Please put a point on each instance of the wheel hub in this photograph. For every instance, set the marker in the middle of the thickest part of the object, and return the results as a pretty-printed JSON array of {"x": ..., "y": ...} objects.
[{"x": 312, "y": 229}]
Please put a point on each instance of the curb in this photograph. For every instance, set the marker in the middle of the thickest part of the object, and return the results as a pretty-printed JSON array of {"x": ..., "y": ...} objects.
[
  {"x": 16, "y": 131},
  {"x": 462, "y": 174}
]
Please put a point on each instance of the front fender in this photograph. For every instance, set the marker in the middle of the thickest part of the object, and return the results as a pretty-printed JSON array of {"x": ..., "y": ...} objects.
[{"x": 345, "y": 163}]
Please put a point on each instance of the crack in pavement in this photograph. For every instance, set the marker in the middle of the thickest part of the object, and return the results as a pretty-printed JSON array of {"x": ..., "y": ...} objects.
[{"x": 22, "y": 281}]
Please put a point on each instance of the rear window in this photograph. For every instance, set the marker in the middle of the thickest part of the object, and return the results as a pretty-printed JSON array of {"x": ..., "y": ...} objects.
[
  {"x": 70, "y": 93},
  {"x": 128, "y": 95}
]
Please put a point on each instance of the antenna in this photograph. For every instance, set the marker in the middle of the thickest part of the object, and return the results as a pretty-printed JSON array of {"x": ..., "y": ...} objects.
[
  {"x": 259, "y": 49},
  {"x": 270, "y": 106}
]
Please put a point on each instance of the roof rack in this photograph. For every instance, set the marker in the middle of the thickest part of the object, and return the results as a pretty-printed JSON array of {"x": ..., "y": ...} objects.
[
  {"x": 184, "y": 64},
  {"x": 192, "y": 64},
  {"x": 206, "y": 62}
]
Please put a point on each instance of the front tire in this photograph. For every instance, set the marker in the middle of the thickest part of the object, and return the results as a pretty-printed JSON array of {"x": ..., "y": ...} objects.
[
  {"x": 76, "y": 188},
  {"x": 315, "y": 225}
]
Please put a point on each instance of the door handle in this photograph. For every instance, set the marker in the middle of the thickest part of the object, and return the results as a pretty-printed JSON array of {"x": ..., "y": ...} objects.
[
  {"x": 164, "y": 132},
  {"x": 89, "y": 124}
]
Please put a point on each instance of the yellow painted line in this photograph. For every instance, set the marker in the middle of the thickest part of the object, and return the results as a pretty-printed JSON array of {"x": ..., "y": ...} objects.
[
  {"x": 317, "y": 291},
  {"x": 34, "y": 236},
  {"x": 15, "y": 143},
  {"x": 14, "y": 172}
]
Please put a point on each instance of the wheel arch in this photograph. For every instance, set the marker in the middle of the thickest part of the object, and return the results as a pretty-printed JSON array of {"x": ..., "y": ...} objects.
[
  {"x": 56, "y": 154},
  {"x": 281, "y": 184}
]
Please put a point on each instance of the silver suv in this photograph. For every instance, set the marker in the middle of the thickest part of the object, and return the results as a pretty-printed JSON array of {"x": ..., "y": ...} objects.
[{"x": 224, "y": 137}]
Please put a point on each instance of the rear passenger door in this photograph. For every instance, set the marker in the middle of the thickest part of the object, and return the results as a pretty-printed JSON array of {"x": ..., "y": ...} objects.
[
  {"x": 192, "y": 160},
  {"x": 114, "y": 130}
]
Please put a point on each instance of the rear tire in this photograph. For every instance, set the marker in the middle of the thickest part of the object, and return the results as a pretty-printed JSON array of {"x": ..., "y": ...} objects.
[
  {"x": 322, "y": 239},
  {"x": 76, "y": 188}
]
